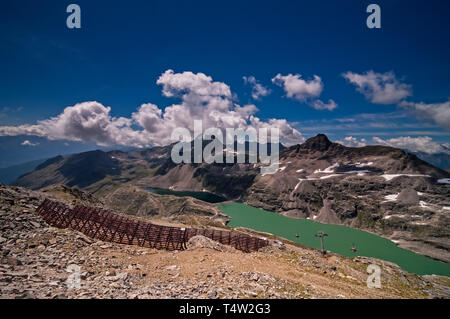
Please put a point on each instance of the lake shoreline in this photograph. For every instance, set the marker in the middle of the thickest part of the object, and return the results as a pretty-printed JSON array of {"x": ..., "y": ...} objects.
[
  {"x": 401, "y": 242},
  {"x": 427, "y": 265},
  {"x": 345, "y": 238}
]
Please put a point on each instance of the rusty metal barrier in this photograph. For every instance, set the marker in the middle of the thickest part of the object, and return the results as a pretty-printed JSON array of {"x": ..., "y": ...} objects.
[{"x": 112, "y": 227}]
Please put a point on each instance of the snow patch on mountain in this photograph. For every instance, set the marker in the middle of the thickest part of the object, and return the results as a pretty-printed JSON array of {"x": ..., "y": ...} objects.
[
  {"x": 329, "y": 176},
  {"x": 389, "y": 177},
  {"x": 327, "y": 170},
  {"x": 391, "y": 198}
]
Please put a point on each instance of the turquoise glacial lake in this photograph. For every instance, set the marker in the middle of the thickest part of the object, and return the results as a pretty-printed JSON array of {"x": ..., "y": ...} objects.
[{"x": 340, "y": 239}]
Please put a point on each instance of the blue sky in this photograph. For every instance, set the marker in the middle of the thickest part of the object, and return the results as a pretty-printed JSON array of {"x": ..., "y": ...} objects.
[{"x": 123, "y": 48}]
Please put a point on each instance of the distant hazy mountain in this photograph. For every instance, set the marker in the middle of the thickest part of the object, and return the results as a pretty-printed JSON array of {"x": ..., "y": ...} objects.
[
  {"x": 11, "y": 173},
  {"x": 441, "y": 160},
  {"x": 80, "y": 170}
]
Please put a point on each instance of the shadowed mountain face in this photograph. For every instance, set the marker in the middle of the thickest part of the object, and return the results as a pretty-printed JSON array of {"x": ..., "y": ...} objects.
[
  {"x": 49, "y": 162},
  {"x": 87, "y": 168},
  {"x": 79, "y": 170},
  {"x": 378, "y": 188}
]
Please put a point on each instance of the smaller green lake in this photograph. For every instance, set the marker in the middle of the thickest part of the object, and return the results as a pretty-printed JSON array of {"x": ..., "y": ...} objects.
[
  {"x": 340, "y": 238},
  {"x": 204, "y": 196}
]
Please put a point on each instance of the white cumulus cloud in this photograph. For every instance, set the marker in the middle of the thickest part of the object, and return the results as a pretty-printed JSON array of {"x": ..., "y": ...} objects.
[
  {"x": 199, "y": 84},
  {"x": 320, "y": 105},
  {"x": 437, "y": 112},
  {"x": 25, "y": 129},
  {"x": 351, "y": 141},
  {"x": 424, "y": 144},
  {"x": 200, "y": 98},
  {"x": 385, "y": 88},
  {"x": 305, "y": 91},
  {"x": 258, "y": 90},
  {"x": 28, "y": 143},
  {"x": 298, "y": 88},
  {"x": 288, "y": 135},
  {"x": 91, "y": 122},
  {"x": 379, "y": 88}
]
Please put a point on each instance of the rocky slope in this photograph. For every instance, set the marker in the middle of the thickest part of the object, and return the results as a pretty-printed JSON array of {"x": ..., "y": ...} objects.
[
  {"x": 37, "y": 261},
  {"x": 135, "y": 201}
]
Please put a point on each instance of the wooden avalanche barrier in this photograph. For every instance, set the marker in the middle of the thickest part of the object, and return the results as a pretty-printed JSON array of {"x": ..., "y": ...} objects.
[{"x": 112, "y": 227}]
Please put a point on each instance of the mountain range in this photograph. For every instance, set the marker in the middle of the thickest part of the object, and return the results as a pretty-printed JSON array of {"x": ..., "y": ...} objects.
[{"x": 377, "y": 188}]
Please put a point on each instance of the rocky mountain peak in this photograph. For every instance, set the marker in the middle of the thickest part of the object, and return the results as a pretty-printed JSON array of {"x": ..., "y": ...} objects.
[{"x": 319, "y": 142}]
